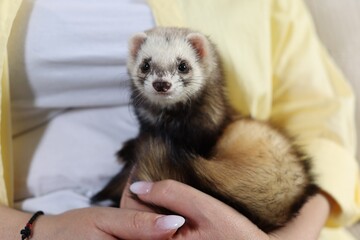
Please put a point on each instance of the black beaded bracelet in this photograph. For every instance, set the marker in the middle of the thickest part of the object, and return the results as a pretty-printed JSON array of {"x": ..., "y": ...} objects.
[{"x": 26, "y": 233}]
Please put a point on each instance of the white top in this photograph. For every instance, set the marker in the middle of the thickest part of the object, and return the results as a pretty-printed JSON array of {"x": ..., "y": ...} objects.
[{"x": 70, "y": 97}]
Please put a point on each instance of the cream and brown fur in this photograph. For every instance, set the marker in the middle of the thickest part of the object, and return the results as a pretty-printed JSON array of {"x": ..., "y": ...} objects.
[{"x": 188, "y": 132}]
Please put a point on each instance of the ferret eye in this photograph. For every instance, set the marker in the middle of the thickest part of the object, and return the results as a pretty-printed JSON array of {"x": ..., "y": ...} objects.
[
  {"x": 145, "y": 67},
  {"x": 183, "y": 67}
]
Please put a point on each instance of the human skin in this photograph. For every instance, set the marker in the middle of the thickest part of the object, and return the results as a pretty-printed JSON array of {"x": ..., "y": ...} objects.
[
  {"x": 98, "y": 223},
  {"x": 208, "y": 218}
]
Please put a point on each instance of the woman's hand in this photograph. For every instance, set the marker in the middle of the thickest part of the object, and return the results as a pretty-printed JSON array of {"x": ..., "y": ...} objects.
[
  {"x": 106, "y": 224},
  {"x": 208, "y": 218},
  {"x": 91, "y": 223}
]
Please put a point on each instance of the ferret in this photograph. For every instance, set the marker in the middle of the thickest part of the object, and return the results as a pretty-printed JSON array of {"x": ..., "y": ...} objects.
[{"x": 190, "y": 133}]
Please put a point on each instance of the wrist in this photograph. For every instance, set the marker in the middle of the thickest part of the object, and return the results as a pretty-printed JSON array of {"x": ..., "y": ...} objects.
[
  {"x": 308, "y": 224},
  {"x": 45, "y": 227},
  {"x": 27, "y": 232},
  {"x": 11, "y": 222}
]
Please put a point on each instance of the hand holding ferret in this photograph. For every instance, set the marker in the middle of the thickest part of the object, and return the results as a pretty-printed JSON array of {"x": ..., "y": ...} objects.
[
  {"x": 191, "y": 134},
  {"x": 208, "y": 218}
]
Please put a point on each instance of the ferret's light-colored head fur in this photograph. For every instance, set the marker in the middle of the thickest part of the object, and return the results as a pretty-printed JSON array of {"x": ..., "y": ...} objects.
[{"x": 170, "y": 65}]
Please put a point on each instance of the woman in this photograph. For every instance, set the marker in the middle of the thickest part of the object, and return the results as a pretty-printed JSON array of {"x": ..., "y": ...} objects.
[{"x": 276, "y": 70}]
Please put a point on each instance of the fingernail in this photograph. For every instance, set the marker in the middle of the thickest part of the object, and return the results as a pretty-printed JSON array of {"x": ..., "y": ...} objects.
[
  {"x": 170, "y": 222},
  {"x": 141, "y": 187}
]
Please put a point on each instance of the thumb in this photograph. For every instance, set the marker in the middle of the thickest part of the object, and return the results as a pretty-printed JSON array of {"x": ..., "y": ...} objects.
[{"x": 133, "y": 224}]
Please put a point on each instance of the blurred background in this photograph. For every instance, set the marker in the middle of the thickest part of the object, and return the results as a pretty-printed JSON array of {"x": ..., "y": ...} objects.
[{"x": 338, "y": 26}]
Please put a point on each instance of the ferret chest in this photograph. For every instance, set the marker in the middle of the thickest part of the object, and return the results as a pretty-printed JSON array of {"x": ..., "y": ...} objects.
[{"x": 183, "y": 134}]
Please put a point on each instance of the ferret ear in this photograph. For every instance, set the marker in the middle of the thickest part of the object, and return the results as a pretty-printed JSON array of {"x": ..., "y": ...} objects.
[
  {"x": 135, "y": 43},
  {"x": 200, "y": 44}
]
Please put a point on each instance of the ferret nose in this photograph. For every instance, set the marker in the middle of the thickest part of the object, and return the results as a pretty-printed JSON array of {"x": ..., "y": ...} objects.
[{"x": 161, "y": 86}]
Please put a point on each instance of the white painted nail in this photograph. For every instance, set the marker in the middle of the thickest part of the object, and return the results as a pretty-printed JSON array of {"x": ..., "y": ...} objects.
[
  {"x": 170, "y": 222},
  {"x": 141, "y": 187}
]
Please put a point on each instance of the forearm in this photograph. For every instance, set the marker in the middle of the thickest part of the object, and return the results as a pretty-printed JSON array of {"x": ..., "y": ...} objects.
[
  {"x": 11, "y": 222},
  {"x": 309, "y": 222}
]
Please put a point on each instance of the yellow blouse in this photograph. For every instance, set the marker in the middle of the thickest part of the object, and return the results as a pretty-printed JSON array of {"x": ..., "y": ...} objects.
[
  {"x": 276, "y": 70},
  {"x": 8, "y": 10}
]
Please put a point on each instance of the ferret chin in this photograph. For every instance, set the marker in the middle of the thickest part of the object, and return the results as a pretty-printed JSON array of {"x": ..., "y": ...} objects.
[{"x": 189, "y": 133}]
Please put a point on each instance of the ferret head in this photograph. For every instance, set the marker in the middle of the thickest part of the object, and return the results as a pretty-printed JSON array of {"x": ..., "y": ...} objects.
[{"x": 170, "y": 65}]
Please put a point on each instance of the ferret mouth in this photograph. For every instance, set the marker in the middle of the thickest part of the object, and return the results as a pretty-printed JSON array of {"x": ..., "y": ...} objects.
[
  {"x": 165, "y": 94},
  {"x": 163, "y": 98},
  {"x": 162, "y": 93}
]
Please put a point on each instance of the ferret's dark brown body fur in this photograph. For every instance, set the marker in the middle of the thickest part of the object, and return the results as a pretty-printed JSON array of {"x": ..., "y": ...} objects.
[{"x": 202, "y": 142}]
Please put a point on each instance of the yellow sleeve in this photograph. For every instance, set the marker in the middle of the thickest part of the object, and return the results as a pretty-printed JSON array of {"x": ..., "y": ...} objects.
[
  {"x": 8, "y": 10},
  {"x": 312, "y": 100}
]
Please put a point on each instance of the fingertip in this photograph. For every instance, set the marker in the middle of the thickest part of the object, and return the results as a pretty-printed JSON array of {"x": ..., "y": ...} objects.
[
  {"x": 141, "y": 187},
  {"x": 170, "y": 222}
]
